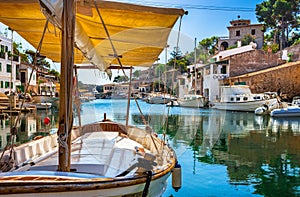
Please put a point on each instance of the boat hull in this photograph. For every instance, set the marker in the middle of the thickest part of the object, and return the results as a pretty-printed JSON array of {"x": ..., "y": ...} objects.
[
  {"x": 91, "y": 188},
  {"x": 249, "y": 106},
  {"x": 192, "y": 103}
]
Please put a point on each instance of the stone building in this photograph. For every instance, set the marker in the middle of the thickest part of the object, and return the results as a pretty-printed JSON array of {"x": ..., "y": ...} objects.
[{"x": 238, "y": 29}]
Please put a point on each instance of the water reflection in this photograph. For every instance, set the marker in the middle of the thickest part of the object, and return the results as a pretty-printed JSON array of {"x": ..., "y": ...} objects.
[
  {"x": 259, "y": 155},
  {"x": 29, "y": 126}
]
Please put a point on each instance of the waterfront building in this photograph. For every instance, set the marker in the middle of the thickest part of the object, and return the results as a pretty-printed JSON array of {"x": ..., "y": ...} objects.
[
  {"x": 239, "y": 29},
  {"x": 9, "y": 66},
  {"x": 25, "y": 72}
]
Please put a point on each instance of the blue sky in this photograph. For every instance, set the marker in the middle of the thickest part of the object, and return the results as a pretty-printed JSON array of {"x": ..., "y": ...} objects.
[{"x": 205, "y": 19}]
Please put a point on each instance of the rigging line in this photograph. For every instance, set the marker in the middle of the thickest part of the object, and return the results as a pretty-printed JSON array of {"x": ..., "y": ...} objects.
[
  {"x": 145, "y": 122},
  {"x": 177, "y": 44},
  {"x": 109, "y": 38},
  {"x": 34, "y": 68},
  {"x": 13, "y": 129}
]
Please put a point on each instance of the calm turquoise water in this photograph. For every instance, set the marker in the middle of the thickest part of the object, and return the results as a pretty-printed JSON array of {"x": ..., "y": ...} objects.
[{"x": 221, "y": 153}]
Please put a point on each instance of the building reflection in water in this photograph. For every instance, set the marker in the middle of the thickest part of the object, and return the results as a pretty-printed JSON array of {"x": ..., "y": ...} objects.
[
  {"x": 29, "y": 126},
  {"x": 258, "y": 151}
]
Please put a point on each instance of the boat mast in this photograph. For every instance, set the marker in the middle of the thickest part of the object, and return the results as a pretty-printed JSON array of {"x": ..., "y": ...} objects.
[
  {"x": 195, "y": 62},
  {"x": 66, "y": 84}
]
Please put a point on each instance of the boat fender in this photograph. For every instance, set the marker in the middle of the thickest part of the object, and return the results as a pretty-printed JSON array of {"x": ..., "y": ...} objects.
[
  {"x": 47, "y": 120},
  {"x": 176, "y": 177}
]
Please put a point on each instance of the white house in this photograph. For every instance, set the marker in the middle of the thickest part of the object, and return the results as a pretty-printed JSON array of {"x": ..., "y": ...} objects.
[
  {"x": 9, "y": 63},
  {"x": 214, "y": 73}
]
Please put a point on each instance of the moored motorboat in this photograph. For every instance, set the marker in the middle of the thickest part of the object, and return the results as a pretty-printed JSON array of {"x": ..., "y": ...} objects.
[
  {"x": 159, "y": 98},
  {"x": 289, "y": 111},
  {"x": 193, "y": 101},
  {"x": 240, "y": 98}
]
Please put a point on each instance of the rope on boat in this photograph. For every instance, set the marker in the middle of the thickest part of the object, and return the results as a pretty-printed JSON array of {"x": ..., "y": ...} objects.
[
  {"x": 7, "y": 164},
  {"x": 147, "y": 185},
  {"x": 109, "y": 38}
]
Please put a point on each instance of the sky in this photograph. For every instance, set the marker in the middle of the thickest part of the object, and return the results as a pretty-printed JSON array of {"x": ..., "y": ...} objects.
[{"x": 205, "y": 19}]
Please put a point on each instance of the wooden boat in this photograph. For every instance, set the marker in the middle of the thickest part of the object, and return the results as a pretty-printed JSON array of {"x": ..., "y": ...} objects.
[
  {"x": 240, "y": 98},
  {"x": 104, "y": 158},
  {"x": 118, "y": 168}
]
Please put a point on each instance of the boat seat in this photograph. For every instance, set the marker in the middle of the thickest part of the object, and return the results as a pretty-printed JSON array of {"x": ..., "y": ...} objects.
[
  {"x": 78, "y": 168},
  {"x": 122, "y": 157}
]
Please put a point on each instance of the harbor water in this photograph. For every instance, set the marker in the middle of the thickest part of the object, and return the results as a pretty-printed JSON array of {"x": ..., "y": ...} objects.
[{"x": 221, "y": 153}]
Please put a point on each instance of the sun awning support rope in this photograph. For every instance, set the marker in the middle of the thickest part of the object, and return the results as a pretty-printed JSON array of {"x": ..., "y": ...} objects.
[
  {"x": 14, "y": 127},
  {"x": 110, "y": 40}
]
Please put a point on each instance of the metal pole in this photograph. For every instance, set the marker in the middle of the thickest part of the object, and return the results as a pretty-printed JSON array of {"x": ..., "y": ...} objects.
[{"x": 128, "y": 98}]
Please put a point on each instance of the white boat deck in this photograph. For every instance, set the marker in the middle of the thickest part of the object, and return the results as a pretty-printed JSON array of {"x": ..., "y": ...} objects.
[{"x": 103, "y": 153}]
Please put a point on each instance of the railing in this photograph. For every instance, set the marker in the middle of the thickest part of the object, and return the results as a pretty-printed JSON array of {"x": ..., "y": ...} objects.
[{"x": 220, "y": 76}]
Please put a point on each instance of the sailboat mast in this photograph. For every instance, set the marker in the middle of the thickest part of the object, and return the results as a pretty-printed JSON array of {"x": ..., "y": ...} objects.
[
  {"x": 66, "y": 84},
  {"x": 195, "y": 62}
]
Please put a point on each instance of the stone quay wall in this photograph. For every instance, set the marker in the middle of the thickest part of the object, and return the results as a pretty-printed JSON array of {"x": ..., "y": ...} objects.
[
  {"x": 284, "y": 79},
  {"x": 253, "y": 61}
]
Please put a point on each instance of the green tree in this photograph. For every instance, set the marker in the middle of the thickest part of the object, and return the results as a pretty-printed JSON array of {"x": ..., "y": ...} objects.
[
  {"x": 160, "y": 69},
  {"x": 136, "y": 74},
  {"x": 119, "y": 79},
  {"x": 55, "y": 73},
  {"x": 178, "y": 61},
  {"x": 209, "y": 44},
  {"x": 247, "y": 39},
  {"x": 280, "y": 16}
]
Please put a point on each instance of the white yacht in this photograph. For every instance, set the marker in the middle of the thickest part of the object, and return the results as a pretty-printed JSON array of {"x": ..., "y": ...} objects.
[{"x": 240, "y": 98}]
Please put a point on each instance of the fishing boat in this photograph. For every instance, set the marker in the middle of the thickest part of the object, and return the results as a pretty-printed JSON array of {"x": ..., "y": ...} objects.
[
  {"x": 240, "y": 98},
  {"x": 105, "y": 158}
]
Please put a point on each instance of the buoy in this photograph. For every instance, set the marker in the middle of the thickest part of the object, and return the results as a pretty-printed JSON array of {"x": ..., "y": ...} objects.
[
  {"x": 176, "y": 177},
  {"x": 47, "y": 120}
]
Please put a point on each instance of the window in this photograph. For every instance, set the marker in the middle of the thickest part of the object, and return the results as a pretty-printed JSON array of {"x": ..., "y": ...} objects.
[
  {"x": 253, "y": 32},
  {"x": 1, "y": 84},
  {"x": 6, "y": 84},
  {"x": 0, "y": 66},
  {"x": 223, "y": 70},
  {"x": 238, "y": 33},
  {"x": 8, "y": 68}
]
